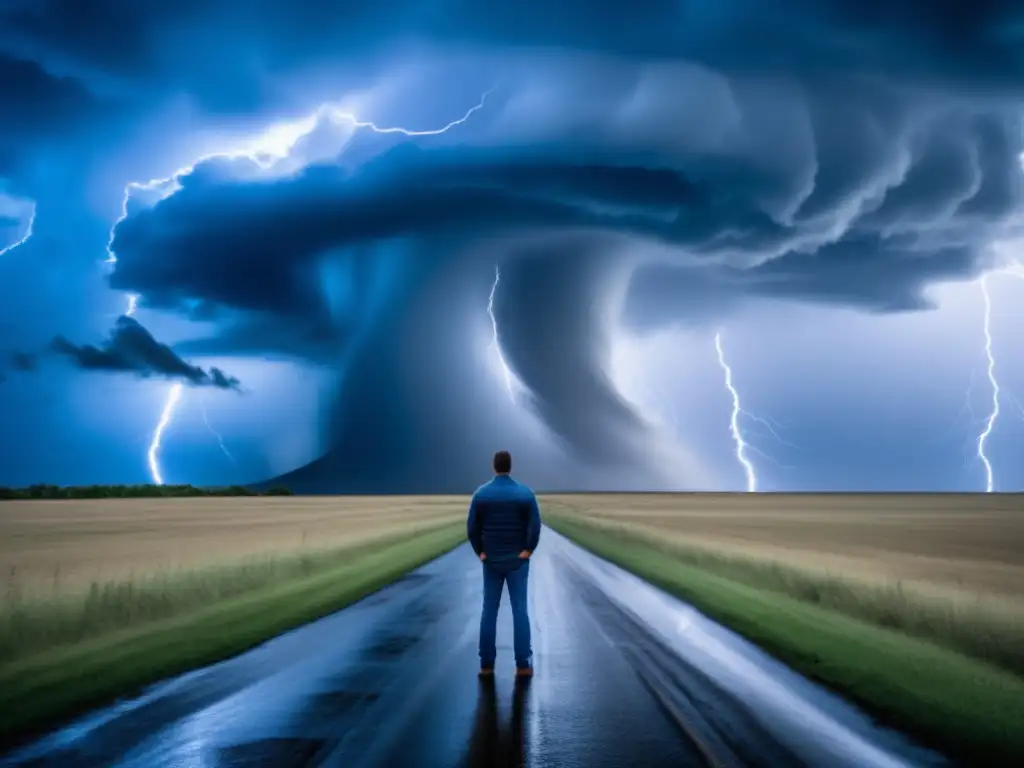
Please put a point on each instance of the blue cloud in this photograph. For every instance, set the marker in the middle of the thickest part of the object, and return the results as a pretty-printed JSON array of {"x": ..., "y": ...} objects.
[
  {"x": 132, "y": 349},
  {"x": 672, "y": 160}
]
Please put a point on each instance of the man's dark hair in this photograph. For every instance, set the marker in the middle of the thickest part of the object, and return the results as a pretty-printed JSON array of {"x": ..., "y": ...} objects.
[{"x": 502, "y": 462}]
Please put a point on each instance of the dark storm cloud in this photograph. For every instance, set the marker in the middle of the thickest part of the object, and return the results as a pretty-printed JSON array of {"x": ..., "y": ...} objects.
[
  {"x": 958, "y": 187},
  {"x": 35, "y": 100},
  {"x": 268, "y": 337},
  {"x": 861, "y": 195},
  {"x": 824, "y": 151},
  {"x": 193, "y": 245},
  {"x": 168, "y": 39},
  {"x": 920, "y": 195},
  {"x": 38, "y": 107},
  {"x": 62, "y": 61},
  {"x": 65, "y": 64},
  {"x": 845, "y": 273},
  {"x": 131, "y": 348}
]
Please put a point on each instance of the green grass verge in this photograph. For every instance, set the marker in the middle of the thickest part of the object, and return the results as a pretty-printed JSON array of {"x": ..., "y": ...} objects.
[
  {"x": 40, "y": 691},
  {"x": 966, "y": 708}
]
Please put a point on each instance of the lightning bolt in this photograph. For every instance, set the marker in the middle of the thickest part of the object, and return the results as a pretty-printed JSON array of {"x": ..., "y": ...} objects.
[
  {"x": 270, "y": 148},
  {"x": 1015, "y": 269},
  {"x": 173, "y": 397},
  {"x": 26, "y": 237},
  {"x": 993, "y": 414},
  {"x": 166, "y": 415},
  {"x": 495, "y": 343},
  {"x": 734, "y": 420},
  {"x": 273, "y": 146},
  {"x": 217, "y": 435}
]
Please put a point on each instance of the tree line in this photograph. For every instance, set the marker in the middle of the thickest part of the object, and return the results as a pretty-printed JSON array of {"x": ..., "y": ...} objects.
[{"x": 44, "y": 491}]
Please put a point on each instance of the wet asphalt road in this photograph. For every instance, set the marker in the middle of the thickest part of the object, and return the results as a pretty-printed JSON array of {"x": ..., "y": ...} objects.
[{"x": 392, "y": 681}]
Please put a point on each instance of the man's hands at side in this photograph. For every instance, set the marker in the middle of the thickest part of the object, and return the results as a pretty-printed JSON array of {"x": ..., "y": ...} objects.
[{"x": 524, "y": 555}]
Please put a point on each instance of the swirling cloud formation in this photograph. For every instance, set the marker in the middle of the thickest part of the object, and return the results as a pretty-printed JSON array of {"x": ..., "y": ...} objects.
[{"x": 648, "y": 163}]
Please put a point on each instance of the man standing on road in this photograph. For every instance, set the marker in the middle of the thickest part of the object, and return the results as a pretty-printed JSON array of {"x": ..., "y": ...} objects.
[{"x": 504, "y": 529}]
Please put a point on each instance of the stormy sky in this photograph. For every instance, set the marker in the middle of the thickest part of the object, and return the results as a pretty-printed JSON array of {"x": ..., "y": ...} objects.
[{"x": 361, "y": 246}]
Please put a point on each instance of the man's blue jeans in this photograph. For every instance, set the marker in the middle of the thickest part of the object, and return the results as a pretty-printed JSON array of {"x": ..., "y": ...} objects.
[{"x": 494, "y": 578}]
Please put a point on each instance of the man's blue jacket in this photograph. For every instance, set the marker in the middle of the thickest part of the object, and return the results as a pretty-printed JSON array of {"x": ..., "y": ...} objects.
[{"x": 503, "y": 521}]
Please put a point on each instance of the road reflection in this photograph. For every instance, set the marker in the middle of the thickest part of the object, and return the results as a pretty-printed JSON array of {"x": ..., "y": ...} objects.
[{"x": 498, "y": 742}]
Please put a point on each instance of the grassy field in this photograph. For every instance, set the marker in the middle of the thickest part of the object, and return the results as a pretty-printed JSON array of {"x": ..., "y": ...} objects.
[
  {"x": 100, "y": 595},
  {"x": 56, "y": 547},
  {"x": 911, "y": 605}
]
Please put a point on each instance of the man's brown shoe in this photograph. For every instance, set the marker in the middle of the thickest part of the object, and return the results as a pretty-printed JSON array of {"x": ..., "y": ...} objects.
[
  {"x": 524, "y": 671},
  {"x": 486, "y": 671}
]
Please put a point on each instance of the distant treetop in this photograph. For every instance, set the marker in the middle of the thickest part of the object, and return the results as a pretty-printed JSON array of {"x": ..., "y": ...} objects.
[{"x": 42, "y": 491}]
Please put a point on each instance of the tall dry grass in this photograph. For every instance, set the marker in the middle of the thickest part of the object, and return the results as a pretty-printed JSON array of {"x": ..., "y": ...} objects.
[
  {"x": 983, "y": 625},
  {"x": 97, "y": 568}
]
